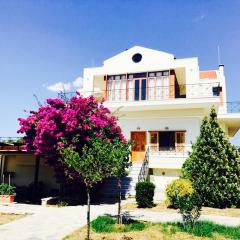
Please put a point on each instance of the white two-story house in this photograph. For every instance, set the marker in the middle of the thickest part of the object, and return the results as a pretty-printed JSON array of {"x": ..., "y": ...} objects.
[{"x": 160, "y": 101}]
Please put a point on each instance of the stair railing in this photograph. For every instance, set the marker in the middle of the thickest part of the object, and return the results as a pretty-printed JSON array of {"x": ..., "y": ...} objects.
[{"x": 143, "y": 174}]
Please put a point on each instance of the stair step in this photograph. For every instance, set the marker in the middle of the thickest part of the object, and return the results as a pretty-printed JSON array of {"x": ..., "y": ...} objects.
[{"x": 128, "y": 184}]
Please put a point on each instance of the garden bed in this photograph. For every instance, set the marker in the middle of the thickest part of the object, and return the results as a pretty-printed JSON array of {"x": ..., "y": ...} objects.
[
  {"x": 7, "y": 217},
  {"x": 107, "y": 229},
  {"x": 161, "y": 207}
]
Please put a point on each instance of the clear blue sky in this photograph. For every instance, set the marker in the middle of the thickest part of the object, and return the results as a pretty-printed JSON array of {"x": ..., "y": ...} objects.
[{"x": 45, "y": 42}]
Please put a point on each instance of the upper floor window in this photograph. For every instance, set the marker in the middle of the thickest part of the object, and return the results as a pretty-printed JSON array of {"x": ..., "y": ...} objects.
[
  {"x": 137, "y": 57},
  {"x": 138, "y": 86}
]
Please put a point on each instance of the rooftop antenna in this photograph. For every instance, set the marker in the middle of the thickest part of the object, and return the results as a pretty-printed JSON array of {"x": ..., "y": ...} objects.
[
  {"x": 38, "y": 102},
  {"x": 219, "y": 56}
]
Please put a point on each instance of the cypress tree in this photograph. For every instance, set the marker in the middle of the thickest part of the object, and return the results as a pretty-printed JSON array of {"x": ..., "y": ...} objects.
[{"x": 213, "y": 166}]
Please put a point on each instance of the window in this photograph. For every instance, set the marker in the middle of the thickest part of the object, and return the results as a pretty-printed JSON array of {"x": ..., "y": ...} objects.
[
  {"x": 153, "y": 137},
  {"x": 140, "y": 86},
  {"x": 137, "y": 58},
  {"x": 151, "y": 88},
  {"x": 152, "y": 74},
  {"x": 180, "y": 141},
  {"x": 130, "y": 90},
  {"x": 154, "y": 141},
  {"x": 136, "y": 90},
  {"x": 159, "y": 74},
  {"x": 117, "y": 90},
  {"x": 165, "y": 73},
  {"x": 215, "y": 91},
  {"x": 143, "y": 88},
  {"x": 110, "y": 90}
]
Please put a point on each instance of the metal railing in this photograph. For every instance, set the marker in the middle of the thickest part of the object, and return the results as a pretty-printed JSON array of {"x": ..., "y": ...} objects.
[
  {"x": 198, "y": 90},
  {"x": 233, "y": 107},
  {"x": 170, "y": 149},
  {"x": 143, "y": 174}
]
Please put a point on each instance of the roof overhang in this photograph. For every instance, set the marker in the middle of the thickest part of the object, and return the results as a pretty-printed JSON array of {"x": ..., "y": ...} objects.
[
  {"x": 171, "y": 104},
  {"x": 232, "y": 121}
]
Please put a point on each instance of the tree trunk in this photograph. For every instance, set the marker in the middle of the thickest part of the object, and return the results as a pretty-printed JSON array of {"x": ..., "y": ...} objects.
[
  {"x": 88, "y": 212},
  {"x": 119, "y": 201}
]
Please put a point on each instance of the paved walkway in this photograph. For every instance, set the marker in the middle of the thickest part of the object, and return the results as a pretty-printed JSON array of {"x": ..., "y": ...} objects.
[{"x": 50, "y": 223}]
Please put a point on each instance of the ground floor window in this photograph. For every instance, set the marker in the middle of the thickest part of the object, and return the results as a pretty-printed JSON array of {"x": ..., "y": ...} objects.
[{"x": 167, "y": 140}]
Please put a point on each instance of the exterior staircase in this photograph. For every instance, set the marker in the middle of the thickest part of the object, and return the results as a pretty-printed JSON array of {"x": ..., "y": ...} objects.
[{"x": 110, "y": 189}]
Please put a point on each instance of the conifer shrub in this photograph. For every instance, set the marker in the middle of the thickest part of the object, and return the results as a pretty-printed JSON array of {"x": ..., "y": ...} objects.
[
  {"x": 178, "y": 188},
  {"x": 145, "y": 194},
  {"x": 213, "y": 166}
]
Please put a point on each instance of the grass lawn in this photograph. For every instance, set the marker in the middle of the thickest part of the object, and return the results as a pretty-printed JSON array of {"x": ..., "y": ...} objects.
[
  {"x": 161, "y": 207},
  {"x": 105, "y": 228},
  {"x": 7, "y": 217}
]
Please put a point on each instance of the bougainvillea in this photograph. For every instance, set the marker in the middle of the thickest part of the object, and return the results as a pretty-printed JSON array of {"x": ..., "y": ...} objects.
[{"x": 46, "y": 128}]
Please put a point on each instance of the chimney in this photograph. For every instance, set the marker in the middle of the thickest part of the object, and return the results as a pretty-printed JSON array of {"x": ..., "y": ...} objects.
[{"x": 221, "y": 69}]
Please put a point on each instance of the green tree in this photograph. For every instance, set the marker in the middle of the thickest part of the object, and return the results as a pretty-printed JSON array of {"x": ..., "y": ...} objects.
[
  {"x": 120, "y": 152},
  {"x": 98, "y": 160},
  {"x": 213, "y": 166}
]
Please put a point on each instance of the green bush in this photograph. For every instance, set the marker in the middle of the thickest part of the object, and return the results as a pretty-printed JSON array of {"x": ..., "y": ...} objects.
[
  {"x": 190, "y": 208},
  {"x": 145, "y": 194},
  {"x": 134, "y": 226},
  {"x": 178, "y": 187},
  {"x": 6, "y": 189},
  {"x": 103, "y": 224},
  {"x": 181, "y": 195},
  {"x": 203, "y": 229}
]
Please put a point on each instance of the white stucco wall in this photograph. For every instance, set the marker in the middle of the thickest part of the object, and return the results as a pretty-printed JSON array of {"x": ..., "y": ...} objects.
[{"x": 148, "y": 121}]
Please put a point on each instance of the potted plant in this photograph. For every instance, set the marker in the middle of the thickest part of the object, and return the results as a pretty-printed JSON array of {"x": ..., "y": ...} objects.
[{"x": 7, "y": 193}]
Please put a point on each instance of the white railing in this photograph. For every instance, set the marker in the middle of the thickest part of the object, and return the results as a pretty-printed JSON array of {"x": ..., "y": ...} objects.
[
  {"x": 171, "y": 158},
  {"x": 170, "y": 92}
]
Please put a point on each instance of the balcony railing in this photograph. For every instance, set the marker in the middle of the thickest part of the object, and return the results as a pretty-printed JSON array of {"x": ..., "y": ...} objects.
[
  {"x": 174, "y": 150},
  {"x": 168, "y": 157},
  {"x": 157, "y": 93},
  {"x": 143, "y": 174},
  {"x": 233, "y": 107}
]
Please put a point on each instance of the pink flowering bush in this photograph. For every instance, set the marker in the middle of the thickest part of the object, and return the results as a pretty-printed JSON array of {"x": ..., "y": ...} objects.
[{"x": 56, "y": 124}]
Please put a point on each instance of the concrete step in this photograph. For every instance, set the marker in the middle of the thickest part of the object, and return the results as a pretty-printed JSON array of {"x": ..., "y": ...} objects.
[{"x": 128, "y": 184}]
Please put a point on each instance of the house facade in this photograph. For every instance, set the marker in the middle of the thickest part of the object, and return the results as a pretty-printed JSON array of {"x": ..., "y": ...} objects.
[{"x": 160, "y": 102}]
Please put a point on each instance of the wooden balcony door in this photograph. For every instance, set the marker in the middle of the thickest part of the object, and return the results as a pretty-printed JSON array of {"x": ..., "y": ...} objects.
[
  {"x": 137, "y": 89},
  {"x": 139, "y": 140}
]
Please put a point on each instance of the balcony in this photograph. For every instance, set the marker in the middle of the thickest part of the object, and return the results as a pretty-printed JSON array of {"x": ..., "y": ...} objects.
[
  {"x": 168, "y": 158},
  {"x": 233, "y": 107},
  {"x": 143, "y": 92}
]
